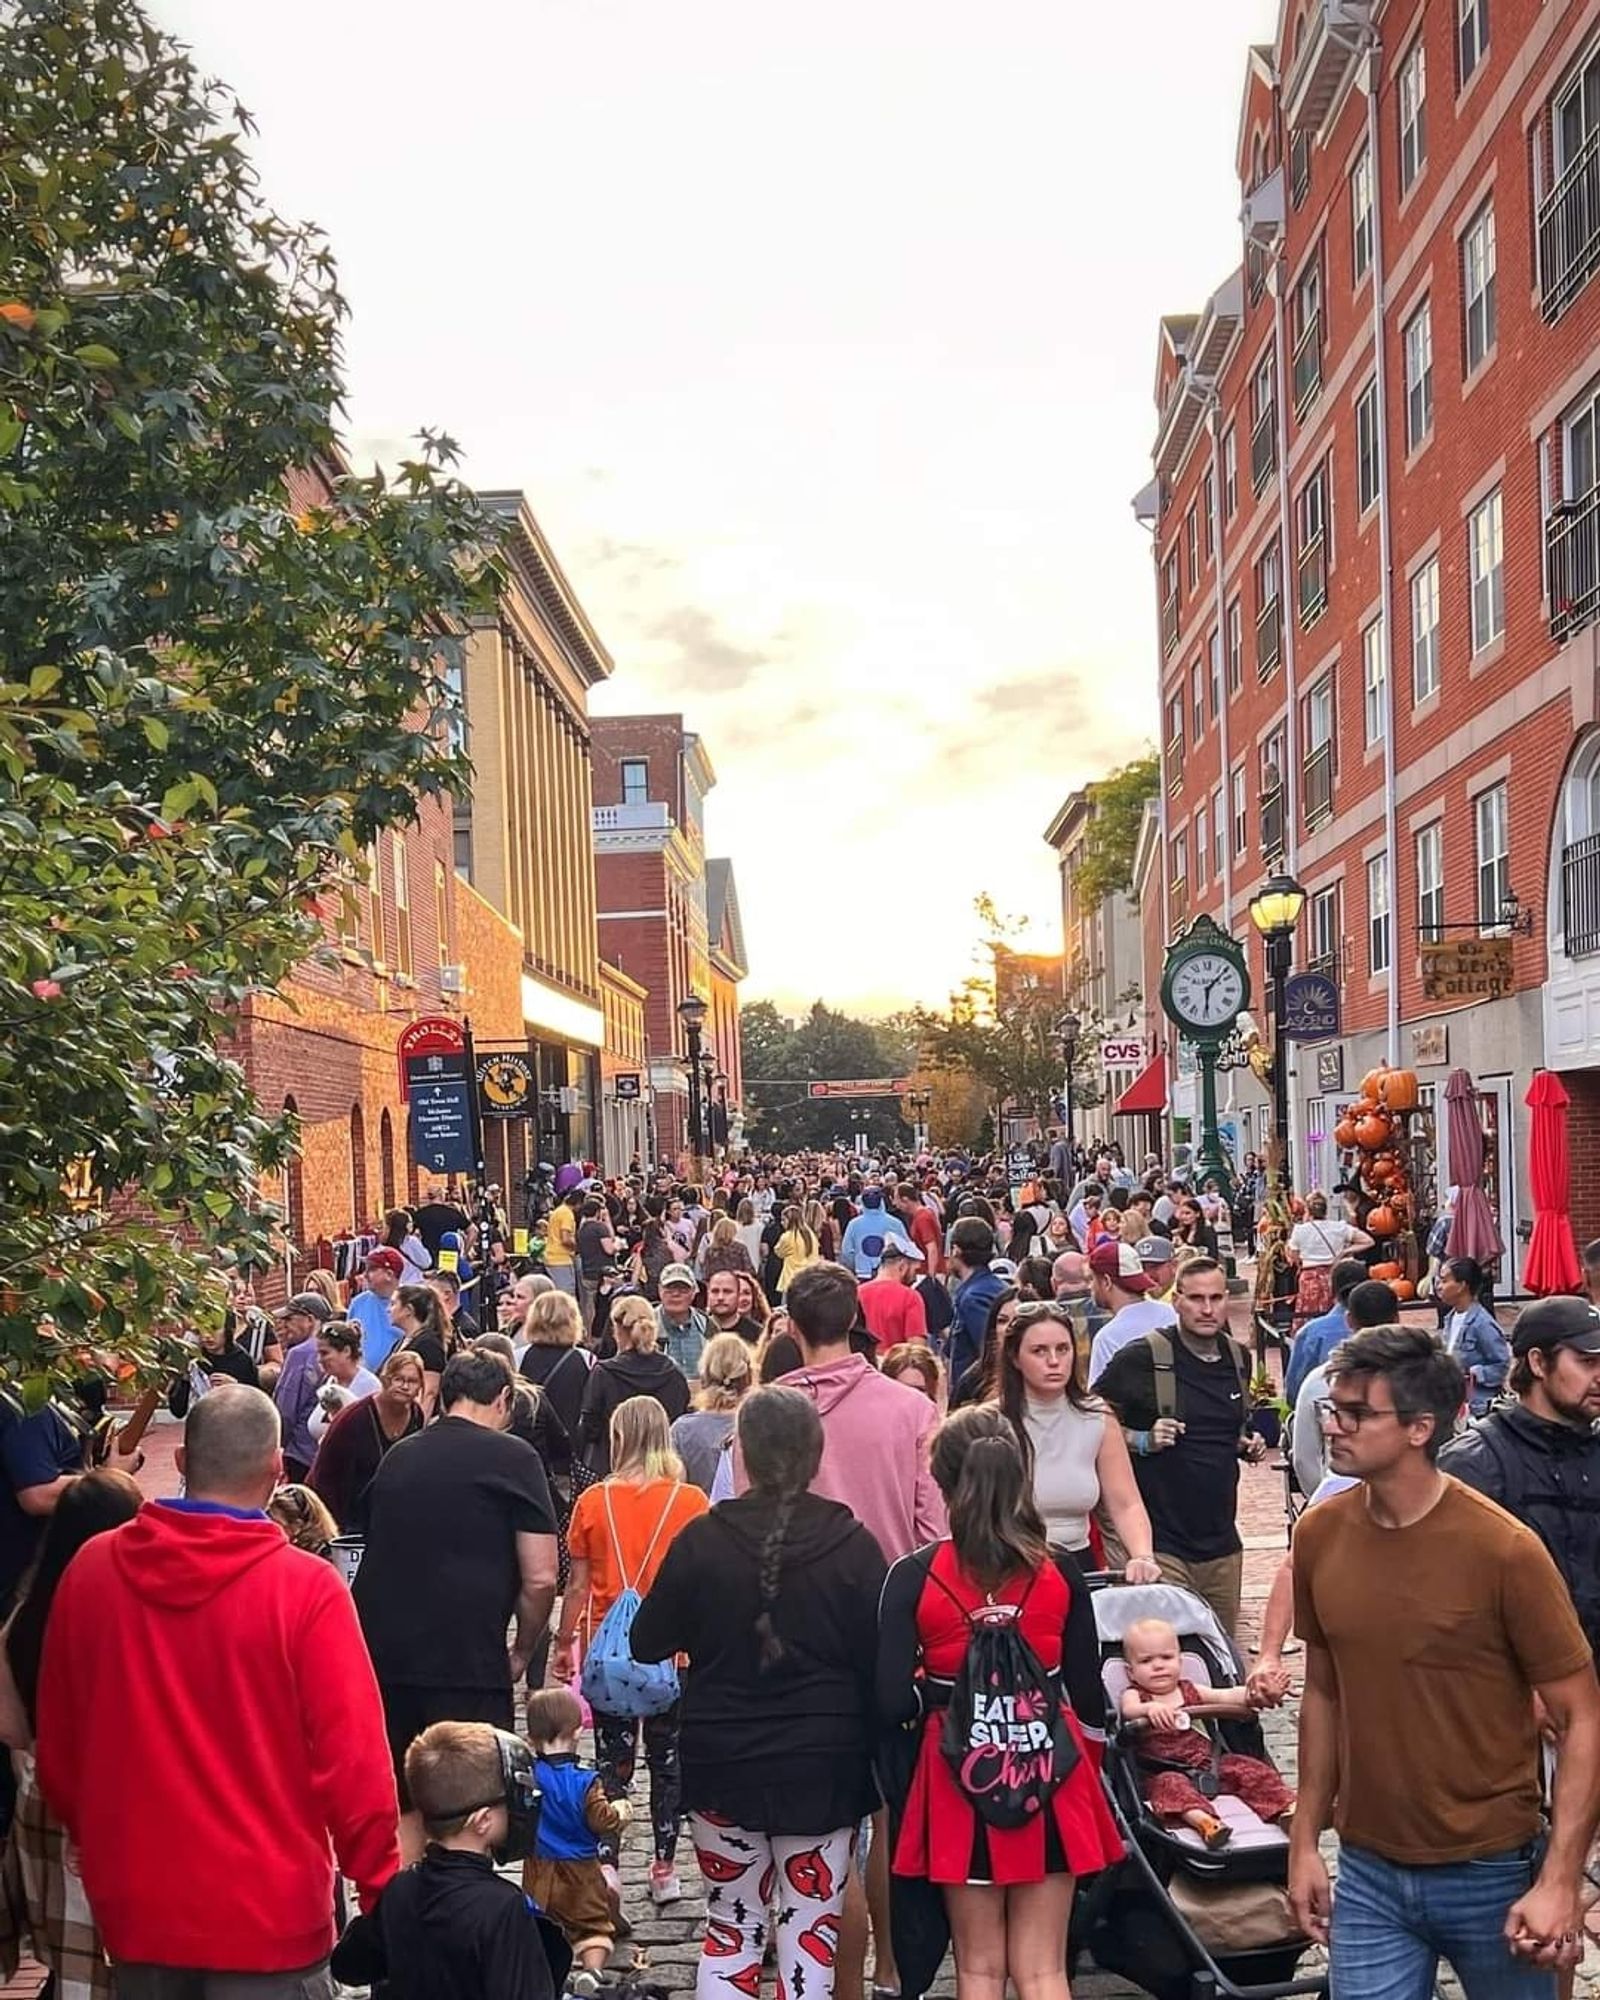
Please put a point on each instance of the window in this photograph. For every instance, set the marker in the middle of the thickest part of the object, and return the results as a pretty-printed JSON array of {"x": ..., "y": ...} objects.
[
  {"x": 1214, "y": 656},
  {"x": 375, "y": 903},
  {"x": 1327, "y": 934},
  {"x": 1230, "y": 474},
  {"x": 1418, "y": 339},
  {"x": 1316, "y": 790},
  {"x": 1180, "y": 857},
  {"x": 1235, "y": 646},
  {"x": 1367, "y": 447},
  {"x": 1169, "y": 602},
  {"x": 348, "y": 923},
  {"x": 1580, "y": 456},
  {"x": 402, "y": 906},
  {"x": 1315, "y": 556},
  {"x": 1472, "y": 37},
  {"x": 1202, "y": 842},
  {"x": 1477, "y": 286},
  {"x": 1219, "y": 833},
  {"x": 1361, "y": 215},
  {"x": 1375, "y": 681},
  {"x": 441, "y": 913},
  {"x": 1197, "y": 701},
  {"x": 1191, "y": 544},
  {"x": 1263, "y": 423},
  {"x": 1208, "y": 514},
  {"x": 1319, "y": 717},
  {"x": 1494, "y": 857},
  {"x": 1378, "y": 913},
  {"x": 1174, "y": 730},
  {"x": 635, "y": 781},
  {"x": 1307, "y": 326},
  {"x": 1486, "y": 563},
  {"x": 1241, "y": 813},
  {"x": 1430, "y": 884},
  {"x": 1269, "y": 621},
  {"x": 1412, "y": 97},
  {"x": 1299, "y": 168},
  {"x": 1425, "y": 631}
]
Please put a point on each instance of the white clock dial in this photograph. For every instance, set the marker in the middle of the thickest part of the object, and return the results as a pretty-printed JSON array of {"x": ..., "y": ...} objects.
[{"x": 1207, "y": 990}]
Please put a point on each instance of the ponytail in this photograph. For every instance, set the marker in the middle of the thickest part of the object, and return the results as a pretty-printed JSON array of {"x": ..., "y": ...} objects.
[{"x": 978, "y": 1465}]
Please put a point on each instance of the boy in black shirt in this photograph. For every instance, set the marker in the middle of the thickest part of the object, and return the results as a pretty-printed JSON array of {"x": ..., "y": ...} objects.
[{"x": 449, "y": 1927}]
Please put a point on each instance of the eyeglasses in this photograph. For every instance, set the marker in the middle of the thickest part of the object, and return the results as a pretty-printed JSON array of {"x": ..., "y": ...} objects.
[{"x": 1347, "y": 1418}]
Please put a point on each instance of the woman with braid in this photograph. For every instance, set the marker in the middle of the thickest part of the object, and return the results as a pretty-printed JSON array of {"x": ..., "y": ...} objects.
[{"x": 774, "y": 1598}]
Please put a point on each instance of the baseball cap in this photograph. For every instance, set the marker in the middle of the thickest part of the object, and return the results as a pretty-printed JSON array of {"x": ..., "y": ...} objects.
[
  {"x": 387, "y": 1260},
  {"x": 1120, "y": 1262},
  {"x": 312, "y": 1304},
  {"x": 1004, "y": 1267},
  {"x": 677, "y": 1274},
  {"x": 895, "y": 1245},
  {"x": 1564, "y": 1322},
  {"x": 1153, "y": 1249}
]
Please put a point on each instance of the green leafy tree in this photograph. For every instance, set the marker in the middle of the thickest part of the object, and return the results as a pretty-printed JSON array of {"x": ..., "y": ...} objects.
[
  {"x": 781, "y": 1057},
  {"x": 225, "y": 664},
  {"x": 1105, "y": 866}
]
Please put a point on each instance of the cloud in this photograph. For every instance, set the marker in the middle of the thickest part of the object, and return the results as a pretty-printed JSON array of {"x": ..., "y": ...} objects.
[{"x": 705, "y": 658}]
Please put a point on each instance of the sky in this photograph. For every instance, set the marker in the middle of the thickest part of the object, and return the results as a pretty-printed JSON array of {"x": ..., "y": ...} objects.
[{"x": 822, "y": 342}]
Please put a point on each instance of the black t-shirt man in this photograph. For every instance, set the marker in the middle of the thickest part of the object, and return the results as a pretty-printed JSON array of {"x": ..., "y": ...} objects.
[
  {"x": 747, "y": 1326},
  {"x": 1190, "y": 1490},
  {"x": 594, "y": 1233},
  {"x": 434, "y": 1221}
]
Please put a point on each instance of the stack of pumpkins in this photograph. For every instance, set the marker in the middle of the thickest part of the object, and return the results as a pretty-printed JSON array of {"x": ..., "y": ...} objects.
[{"x": 1371, "y": 1133}]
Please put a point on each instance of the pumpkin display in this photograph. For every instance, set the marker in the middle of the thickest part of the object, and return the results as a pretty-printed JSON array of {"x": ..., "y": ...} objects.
[
  {"x": 1373, "y": 1129},
  {"x": 1344, "y": 1133},
  {"x": 1400, "y": 1089},
  {"x": 1382, "y": 1221},
  {"x": 1383, "y": 1169},
  {"x": 1372, "y": 1083},
  {"x": 1384, "y": 1271},
  {"x": 1402, "y": 1288}
]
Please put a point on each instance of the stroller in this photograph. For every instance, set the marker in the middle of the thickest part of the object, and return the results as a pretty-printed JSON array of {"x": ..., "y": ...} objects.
[{"x": 1144, "y": 1918}]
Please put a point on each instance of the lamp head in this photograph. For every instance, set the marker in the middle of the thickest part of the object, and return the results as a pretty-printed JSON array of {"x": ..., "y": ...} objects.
[
  {"x": 692, "y": 1012},
  {"x": 1275, "y": 907}
]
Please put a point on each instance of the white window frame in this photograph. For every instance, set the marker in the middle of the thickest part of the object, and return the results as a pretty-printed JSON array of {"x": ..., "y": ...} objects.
[
  {"x": 630, "y": 766},
  {"x": 1491, "y": 824},
  {"x": 1367, "y": 470},
  {"x": 1327, "y": 938},
  {"x": 1479, "y": 316},
  {"x": 1214, "y": 663},
  {"x": 1374, "y": 681},
  {"x": 1417, "y": 342},
  {"x": 1219, "y": 832},
  {"x": 1191, "y": 543},
  {"x": 1472, "y": 38},
  {"x": 1235, "y": 618},
  {"x": 1208, "y": 512},
  {"x": 1361, "y": 215},
  {"x": 1202, "y": 842},
  {"x": 1583, "y": 419},
  {"x": 1230, "y": 472},
  {"x": 1425, "y": 663},
  {"x": 1486, "y": 571},
  {"x": 402, "y": 906},
  {"x": 1319, "y": 715},
  {"x": 1430, "y": 881},
  {"x": 1411, "y": 99},
  {"x": 1180, "y": 855},
  {"x": 1197, "y": 699},
  {"x": 1241, "y": 812},
  {"x": 1572, "y": 90},
  {"x": 1379, "y": 926}
]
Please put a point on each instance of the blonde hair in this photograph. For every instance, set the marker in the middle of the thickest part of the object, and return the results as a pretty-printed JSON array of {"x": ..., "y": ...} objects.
[
  {"x": 633, "y": 1321},
  {"x": 918, "y": 1355},
  {"x": 552, "y": 1320},
  {"x": 449, "y": 1767},
  {"x": 641, "y": 1444},
  {"x": 326, "y": 1286},
  {"x": 303, "y": 1517},
  {"x": 746, "y": 1212},
  {"x": 727, "y": 1368},
  {"x": 724, "y": 1231}
]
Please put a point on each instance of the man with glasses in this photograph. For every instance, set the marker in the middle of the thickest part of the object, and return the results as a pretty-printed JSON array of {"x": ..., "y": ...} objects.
[
  {"x": 1180, "y": 1397},
  {"x": 1430, "y": 1620}
]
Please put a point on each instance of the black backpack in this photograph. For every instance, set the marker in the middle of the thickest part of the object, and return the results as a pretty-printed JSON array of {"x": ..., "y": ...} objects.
[{"x": 1005, "y": 1735}]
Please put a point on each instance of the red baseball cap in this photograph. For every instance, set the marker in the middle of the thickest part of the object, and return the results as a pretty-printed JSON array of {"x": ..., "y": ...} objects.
[
  {"x": 1120, "y": 1263},
  {"x": 387, "y": 1260}
]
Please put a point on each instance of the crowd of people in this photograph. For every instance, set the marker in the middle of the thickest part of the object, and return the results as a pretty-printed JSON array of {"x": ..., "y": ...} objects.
[{"x": 795, "y": 1487}]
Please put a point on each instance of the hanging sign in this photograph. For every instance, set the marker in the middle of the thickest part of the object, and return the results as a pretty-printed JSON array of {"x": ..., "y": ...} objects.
[
  {"x": 1124, "y": 1052},
  {"x": 860, "y": 1086},
  {"x": 506, "y": 1086},
  {"x": 626, "y": 1086},
  {"x": 1310, "y": 1008},
  {"x": 439, "y": 1088},
  {"x": 432, "y": 1035},
  {"x": 1467, "y": 968}
]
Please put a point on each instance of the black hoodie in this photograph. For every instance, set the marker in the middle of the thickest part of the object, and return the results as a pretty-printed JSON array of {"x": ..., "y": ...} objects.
[
  {"x": 788, "y": 1749},
  {"x": 450, "y": 1928},
  {"x": 638, "y": 1372}
]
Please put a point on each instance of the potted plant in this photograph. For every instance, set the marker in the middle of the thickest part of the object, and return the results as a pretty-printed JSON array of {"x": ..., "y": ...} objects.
[{"x": 1268, "y": 1410}]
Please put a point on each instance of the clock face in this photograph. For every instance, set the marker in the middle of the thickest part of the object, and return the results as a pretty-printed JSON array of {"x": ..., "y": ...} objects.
[{"x": 1207, "y": 990}]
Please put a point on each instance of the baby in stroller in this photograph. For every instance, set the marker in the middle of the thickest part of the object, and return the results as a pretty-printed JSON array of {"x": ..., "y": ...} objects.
[{"x": 1170, "y": 1748}]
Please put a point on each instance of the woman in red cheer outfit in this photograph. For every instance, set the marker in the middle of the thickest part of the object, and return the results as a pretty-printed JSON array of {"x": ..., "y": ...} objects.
[{"x": 1008, "y": 1892}]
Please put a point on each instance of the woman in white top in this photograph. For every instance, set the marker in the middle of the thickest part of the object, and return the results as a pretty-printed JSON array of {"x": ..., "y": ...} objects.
[
  {"x": 1078, "y": 1459},
  {"x": 1314, "y": 1247},
  {"x": 344, "y": 1381}
]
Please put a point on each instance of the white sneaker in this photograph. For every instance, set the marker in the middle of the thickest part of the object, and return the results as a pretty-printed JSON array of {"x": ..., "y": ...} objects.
[{"x": 664, "y": 1884}]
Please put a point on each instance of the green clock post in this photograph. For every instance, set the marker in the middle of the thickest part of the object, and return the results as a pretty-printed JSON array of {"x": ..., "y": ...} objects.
[{"x": 1205, "y": 986}]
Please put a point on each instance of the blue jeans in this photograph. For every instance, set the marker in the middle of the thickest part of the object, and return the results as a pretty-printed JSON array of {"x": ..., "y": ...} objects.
[{"x": 1392, "y": 1925}]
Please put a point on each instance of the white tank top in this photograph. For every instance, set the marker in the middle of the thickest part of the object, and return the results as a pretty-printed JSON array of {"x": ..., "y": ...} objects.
[{"x": 1066, "y": 1486}]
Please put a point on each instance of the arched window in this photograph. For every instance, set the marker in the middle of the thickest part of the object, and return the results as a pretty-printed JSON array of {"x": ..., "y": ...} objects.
[
  {"x": 386, "y": 1157},
  {"x": 360, "y": 1214}
]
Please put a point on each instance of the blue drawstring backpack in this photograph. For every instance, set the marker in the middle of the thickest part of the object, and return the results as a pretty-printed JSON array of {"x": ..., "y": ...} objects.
[{"x": 613, "y": 1681}]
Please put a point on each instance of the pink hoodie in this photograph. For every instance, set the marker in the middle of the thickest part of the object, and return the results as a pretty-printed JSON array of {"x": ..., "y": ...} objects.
[{"x": 874, "y": 1452}]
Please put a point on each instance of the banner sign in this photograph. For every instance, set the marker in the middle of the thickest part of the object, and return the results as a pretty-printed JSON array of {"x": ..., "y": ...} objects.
[
  {"x": 1330, "y": 1070},
  {"x": 1467, "y": 969},
  {"x": 860, "y": 1086},
  {"x": 433, "y": 1035},
  {"x": 627, "y": 1086},
  {"x": 506, "y": 1086},
  {"x": 1126, "y": 1052},
  {"x": 1310, "y": 1008},
  {"x": 440, "y": 1092}
]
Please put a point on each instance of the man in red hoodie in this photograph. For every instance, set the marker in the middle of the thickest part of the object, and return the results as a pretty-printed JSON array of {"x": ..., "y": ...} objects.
[{"x": 210, "y": 1732}]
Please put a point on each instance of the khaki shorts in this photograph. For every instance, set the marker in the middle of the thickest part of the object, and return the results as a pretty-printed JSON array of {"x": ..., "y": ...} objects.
[{"x": 1220, "y": 1582}]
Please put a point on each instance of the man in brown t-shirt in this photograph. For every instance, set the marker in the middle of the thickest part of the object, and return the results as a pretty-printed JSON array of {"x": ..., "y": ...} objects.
[{"x": 1431, "y": 1619}]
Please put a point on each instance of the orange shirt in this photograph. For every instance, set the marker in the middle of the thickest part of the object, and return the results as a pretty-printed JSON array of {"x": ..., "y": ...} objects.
[{"x": 638, "y": 1511}]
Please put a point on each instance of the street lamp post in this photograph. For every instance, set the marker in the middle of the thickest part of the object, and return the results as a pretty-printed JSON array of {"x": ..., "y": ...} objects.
[
  {"x": 917, "y": 1102},
  {"x": 692, "y": 1013},
  {"x": 1069, "y": 1028},
  {"x": 1275, "y": 910},
  {"x": 721, "y": 1082}
]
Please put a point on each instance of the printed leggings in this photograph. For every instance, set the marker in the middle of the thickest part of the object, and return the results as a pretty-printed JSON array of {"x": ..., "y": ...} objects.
[
  {"x": 799, "y": 1878},
  {"x": 616, "y": 1749}
]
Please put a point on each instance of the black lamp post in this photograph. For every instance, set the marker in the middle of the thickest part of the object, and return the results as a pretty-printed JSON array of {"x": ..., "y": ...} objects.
[
  {"x": 1069, "y": 1028},
  {"x": 692, "y": 1013},
  {"x": 721, "y": 1082},
  {"x": 1275, "y": 910},
  {"x": 917, "y": 1102}
]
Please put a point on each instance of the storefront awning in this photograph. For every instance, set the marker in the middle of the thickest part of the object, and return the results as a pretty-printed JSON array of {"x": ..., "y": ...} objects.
[{"x": 1147, "y": 1093}]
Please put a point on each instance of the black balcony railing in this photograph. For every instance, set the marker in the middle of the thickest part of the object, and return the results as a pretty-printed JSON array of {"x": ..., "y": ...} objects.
[
  {"x": 1169, "y": 622},
  {"x": 1272, "y": 823},
  {"x": 1572, "y": 544},
  {"x": 1569, "y": 231},
  {"x": 1269, "y": 638},
  {"x": 1312, "y": 572},
  {"x": 1264, "y": 447},
  {"x": 1308, "y": 362},
  {"x": 1580, "y": 896},
  {"x": 1317, "y": 794}
]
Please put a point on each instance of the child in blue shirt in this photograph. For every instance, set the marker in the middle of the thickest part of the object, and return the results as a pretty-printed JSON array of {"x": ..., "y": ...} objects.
[{"x": 566, "y": 1876}]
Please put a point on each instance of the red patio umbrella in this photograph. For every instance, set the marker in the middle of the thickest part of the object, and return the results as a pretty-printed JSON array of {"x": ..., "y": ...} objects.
[
  {"x": 1472, "y": 1227},
  {"x": 1552, "y": 1263}
]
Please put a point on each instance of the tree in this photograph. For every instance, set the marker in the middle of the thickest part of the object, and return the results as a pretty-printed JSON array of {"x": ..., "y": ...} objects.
[
  {"x": 1105, "y": 864},
  {"x": 828, "y": 1044},
  {"x": 227, "y": 663}
]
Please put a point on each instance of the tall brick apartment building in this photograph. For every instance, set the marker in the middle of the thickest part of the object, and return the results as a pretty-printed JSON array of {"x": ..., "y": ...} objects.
[
  {"x": 651, "y": 777},
  {"x": 1376, "y": 516}
]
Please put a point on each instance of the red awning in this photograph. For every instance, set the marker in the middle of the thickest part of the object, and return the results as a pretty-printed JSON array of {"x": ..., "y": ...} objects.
[{"x": 1147, "y": 1093}]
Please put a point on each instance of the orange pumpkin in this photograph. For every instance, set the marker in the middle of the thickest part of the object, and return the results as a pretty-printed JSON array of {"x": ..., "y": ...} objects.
[
  {"x": 1382, "y": 1221},
  {"x": 1400, "y": 1089},
  {"x": 1373, "y": 1130},
  {"x": 1402, "y": 1288},
  {"x": 1372, "y": 1083},
  {"x": 1384, "y": 1271},
  {"x": 1383, "y": 1169},
  {"x": 1344, "y": 1133}
]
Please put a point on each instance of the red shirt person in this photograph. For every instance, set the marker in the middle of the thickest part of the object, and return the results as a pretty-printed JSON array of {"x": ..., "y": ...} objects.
[{"x": 892, "y": 1309}]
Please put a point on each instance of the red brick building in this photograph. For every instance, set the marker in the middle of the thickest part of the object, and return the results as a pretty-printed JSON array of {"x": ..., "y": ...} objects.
[
  {"x": 729, "y": 964},
  {"x": 651, "y": 777},
  {"x": 624, "y": 1073},
  {"x": 1376, "y": 517}
]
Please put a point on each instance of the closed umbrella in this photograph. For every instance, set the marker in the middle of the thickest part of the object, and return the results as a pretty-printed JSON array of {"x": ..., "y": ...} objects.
[
  {"x": 1472, "y": 1228},
  {"x": 1552, "y": 1262}
]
